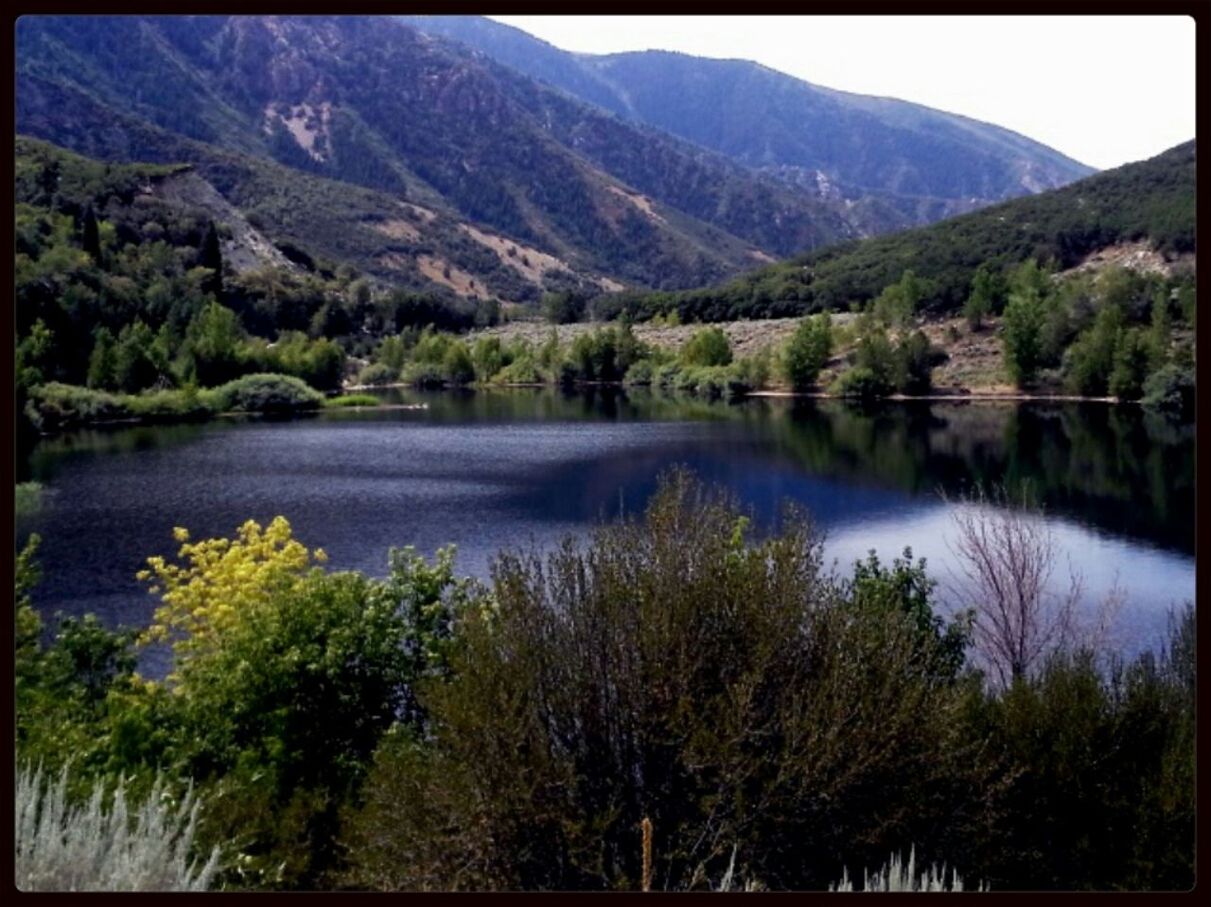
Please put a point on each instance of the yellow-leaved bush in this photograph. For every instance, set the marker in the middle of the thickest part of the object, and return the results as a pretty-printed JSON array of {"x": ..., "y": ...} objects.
[{"x": 221, "y": 580}]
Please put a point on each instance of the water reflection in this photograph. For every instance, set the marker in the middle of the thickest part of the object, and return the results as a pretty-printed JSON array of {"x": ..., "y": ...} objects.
[{"x": 488, "y": 470}]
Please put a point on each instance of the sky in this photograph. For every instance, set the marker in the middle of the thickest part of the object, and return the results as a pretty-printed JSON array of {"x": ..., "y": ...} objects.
[{"x": 1104, "y": 90}]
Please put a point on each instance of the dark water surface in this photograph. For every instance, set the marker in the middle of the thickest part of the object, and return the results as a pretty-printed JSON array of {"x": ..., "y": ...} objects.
[{"x": 488, "y": 470}]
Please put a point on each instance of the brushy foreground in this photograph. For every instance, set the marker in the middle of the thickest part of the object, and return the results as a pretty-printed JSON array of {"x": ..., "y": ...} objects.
[{"x": 771, "y": 724}]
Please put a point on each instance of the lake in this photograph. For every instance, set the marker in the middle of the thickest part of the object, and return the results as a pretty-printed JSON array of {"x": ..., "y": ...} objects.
[{"x": 492, "y": 469}]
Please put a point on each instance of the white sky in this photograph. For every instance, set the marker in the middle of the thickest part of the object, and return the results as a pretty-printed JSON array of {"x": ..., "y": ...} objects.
[{"x": 1102, "y": 89}]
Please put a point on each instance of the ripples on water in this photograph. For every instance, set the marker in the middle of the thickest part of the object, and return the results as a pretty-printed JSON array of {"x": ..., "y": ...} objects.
[{"x": 513, "y": 468}]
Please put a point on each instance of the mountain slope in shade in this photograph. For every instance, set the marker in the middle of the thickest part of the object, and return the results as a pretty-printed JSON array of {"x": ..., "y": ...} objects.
[
  {"x": 369, "y": 101},
  {"x": 901, "y": 163}
]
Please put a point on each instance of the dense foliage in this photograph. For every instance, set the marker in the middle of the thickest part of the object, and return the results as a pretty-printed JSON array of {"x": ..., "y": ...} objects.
[
  {"x": 1151, "y": 200},
  {"x": 778, "y": 725}
]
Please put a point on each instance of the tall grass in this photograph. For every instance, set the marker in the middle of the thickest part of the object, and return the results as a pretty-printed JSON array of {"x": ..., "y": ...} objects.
[
  {"x": 896, "y": 876},
  {"x": 60, "y": 847}
]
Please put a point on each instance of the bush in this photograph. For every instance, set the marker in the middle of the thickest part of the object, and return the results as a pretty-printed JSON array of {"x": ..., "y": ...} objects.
[
  {"x": 914, "y": 364},
  {"x": 457, "y": 367},
  {"x": 639, "y": 374},
  {"x": 53, "y": 406},
  {"x": 172, "y": 405},
  {"x": 708, "y": 346},
  {"x": 378, "y": 373},
  {"x": 60, "y": 847},
  {"x": 1170, "y": 388},
  {"x": 424, "y": 374},
  {"x": 860, "y": 381},
  {"x": 267, "y": 394},
  {"x": 808, "y": 350},
  {"x": 521, "y": 370},
  {"x": 673, "y": 668},
  {"x": 564, "y": 308}
]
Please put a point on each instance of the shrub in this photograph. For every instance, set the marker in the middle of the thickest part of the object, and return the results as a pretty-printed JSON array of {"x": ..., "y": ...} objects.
[
  {"x": 423, "y": 374},
  {"x": 378, "y": 373},
  {"x": 708, "y": 346},
  {"x": 457, "y": 367},
  {"x": 564, "y": 308},
  {"x": 859, "y": 381},
  {"x": 807, "y": 351},
  {"x": 60, "y": 847},
  {"x": 268, "y": 394},
  {"x": 673, "y": 668},
  {"x": 1170, "y": 388},
  {"x": 521, "y": 370},
  {"x": 914, "y": 361},
  {"x": 639, "y": 374},
  {"x": 171, "y": 405},
  {"x": 53, "y": 406}
]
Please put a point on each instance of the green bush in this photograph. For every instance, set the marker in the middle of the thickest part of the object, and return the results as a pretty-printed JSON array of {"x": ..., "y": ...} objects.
[
  {"x": 521, "y": 370},
  {"x": 267, "y": 394},
  {"x": 53, "y": 406},
  {"x": 673, "y": 668},
  {"x": 423, "y": 374},
  {"x": 457, "y": 366},
  {"x": 378, "y": 373},
  {"x": 807, "y": 351},
  {"x": 172, "y": 405},
  {"x": 639, "y": 374},
  {"x": 860, "y": 381},
  {"x": 1171, "y": 389},
  {"x": 707, "y": 347}
]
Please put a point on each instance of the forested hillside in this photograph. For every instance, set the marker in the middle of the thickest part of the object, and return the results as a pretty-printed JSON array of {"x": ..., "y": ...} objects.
[{"x": 1152, "y": 200}]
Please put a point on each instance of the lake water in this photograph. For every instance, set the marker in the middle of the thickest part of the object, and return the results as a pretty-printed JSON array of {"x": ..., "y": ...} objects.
[{"x": 494, "y": 469}]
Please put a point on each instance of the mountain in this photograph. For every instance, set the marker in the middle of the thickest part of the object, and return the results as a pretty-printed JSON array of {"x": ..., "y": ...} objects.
[
  {"x": 896, "y": 163},
  {"x": 1150, "y": 201},
  {"x": 457, "y": 157}
]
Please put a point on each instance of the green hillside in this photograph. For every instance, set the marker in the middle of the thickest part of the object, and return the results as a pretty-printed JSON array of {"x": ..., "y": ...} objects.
[{"x": 1152, "y": 200}]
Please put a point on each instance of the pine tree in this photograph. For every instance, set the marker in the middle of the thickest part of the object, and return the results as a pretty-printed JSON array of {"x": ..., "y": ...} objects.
[
  {"x": 91, "y": 235},
  {"x": 211, "y": 256}
]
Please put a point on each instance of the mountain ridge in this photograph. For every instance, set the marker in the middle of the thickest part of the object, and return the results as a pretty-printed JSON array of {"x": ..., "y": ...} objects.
[{"x": 673, "y": 81}]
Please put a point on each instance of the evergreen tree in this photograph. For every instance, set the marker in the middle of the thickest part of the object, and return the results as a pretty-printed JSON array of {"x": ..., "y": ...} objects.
[
  {"x": 90, "y": 239},
  {"x": 101, "y": 364},
  {"x": 211, "y": 256}
]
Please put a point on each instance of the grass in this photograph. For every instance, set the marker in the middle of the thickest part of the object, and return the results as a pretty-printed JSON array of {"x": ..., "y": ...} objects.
[
  {"x": 62, "y": 847},
  {"x": 352, "y": 400}
]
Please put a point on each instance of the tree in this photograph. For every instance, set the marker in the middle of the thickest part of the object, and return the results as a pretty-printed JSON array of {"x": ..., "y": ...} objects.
[
  {"x": 566, "y": 307},
  {"x": 1021, "y": 335},
  {"x": 101, "y": 364},
  {"x": 987, "y": 295},
  {"x": 1006, "y": 558},
  {"x": 212, "y": 342},
  {"x": 808, "y": 350},
  {"x": 134, "y": 366},
  {"x": 210, "y": 256},
  {"x": 898, "y": 302},
  {"x": 90, "y": 240},
  {"x": 1131, "y": 365}
]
